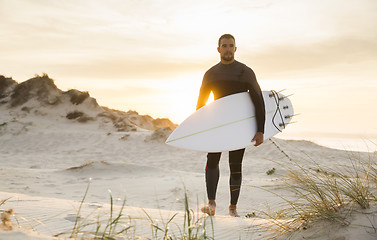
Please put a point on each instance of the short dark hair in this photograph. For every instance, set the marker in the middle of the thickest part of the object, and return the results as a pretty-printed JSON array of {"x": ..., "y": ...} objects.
[{"x": 226, "y": 36}]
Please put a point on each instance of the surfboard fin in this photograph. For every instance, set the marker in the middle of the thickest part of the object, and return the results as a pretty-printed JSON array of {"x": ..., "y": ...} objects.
[
  {"x": 285, "y": 124},
  {"x": 282, "y": 98},
  {"x": 273, "y": 92},
  {"x": 276, "y": 95},
  {"x": 291, "y": 116}
]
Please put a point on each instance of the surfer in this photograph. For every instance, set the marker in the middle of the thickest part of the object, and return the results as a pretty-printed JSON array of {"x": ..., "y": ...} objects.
[{"x": 225, "y": 78}]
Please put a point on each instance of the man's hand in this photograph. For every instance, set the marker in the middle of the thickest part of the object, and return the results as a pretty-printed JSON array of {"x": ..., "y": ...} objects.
[{"x": 258, "y": 138}]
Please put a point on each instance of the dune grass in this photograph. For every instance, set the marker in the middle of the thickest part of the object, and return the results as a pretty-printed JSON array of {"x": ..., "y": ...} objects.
[
  {"x": 8, "y": 215},
  {"x": 5, "y": 222},
  {"x": 3, "y": 201},
  {"x": 111, "y": 225},
  {"x": 317, "y": 193},
  {"x": 194, "y": 225},
  {"x": 104, "y": 226}
]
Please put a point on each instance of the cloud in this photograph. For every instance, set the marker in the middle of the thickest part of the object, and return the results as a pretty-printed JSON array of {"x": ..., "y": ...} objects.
[
  {"x": 326, "y": 54},
  {"x": 125, "y": 68},
  {"x": 144, "y": 38}
]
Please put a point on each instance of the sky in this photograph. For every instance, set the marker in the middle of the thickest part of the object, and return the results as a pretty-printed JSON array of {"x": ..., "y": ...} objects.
[{"x": 150, "y": 56}]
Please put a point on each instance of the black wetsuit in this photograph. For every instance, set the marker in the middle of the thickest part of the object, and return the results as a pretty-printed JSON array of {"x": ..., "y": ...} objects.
[{"x": 224, "y": 80}]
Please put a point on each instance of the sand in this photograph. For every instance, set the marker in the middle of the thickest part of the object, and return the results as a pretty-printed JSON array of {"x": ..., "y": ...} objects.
[{"x": 47, "y": 162}]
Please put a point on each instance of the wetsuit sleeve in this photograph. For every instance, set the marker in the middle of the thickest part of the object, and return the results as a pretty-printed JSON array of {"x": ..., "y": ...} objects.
[
  {"x": 203, "y": 93},
  {"x": 257, "y": 98}
]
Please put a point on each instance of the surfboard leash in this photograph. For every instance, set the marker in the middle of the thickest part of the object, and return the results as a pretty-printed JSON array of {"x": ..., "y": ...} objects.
[{"x": 277, "y": 101}]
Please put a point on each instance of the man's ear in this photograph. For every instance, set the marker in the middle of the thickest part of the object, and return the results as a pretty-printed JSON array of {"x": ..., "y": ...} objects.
[
  {"x": 218, "y": 49},
  {"x": 235, "y": 49}
]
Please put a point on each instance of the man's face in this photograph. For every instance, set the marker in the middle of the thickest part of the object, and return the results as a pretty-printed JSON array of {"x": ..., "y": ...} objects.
[{"x": 227, "y": 49}]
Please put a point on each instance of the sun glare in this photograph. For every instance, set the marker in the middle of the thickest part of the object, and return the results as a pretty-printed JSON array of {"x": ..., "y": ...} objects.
[{"x": 211, "y": 98}]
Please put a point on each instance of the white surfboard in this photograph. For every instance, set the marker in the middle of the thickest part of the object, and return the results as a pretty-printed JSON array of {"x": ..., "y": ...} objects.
[{"x": 229, "y": 123}]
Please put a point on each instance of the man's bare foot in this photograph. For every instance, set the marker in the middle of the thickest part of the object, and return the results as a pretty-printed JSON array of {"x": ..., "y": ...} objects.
[
  {"x": 209, "y": 208},
  {"x": 233, "y": 211}
]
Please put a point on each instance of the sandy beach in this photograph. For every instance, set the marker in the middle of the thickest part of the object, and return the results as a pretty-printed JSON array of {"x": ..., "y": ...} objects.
[{"x": 47, "y": 161}]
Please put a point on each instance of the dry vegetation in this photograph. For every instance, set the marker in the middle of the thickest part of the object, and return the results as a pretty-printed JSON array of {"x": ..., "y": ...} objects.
[
  {"x": 5, "y": 215},
  {"x": 319, "y": 193}
]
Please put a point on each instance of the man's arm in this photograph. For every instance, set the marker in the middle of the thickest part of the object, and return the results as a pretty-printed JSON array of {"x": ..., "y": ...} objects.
[
  {"x": 257, "y": 98},
  {"x": 203, "y": 97},
  {"x": 203, "y": 93}
]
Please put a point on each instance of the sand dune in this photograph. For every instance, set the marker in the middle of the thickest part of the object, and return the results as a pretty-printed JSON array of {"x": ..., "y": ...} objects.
[{"x": 47, "y": 161}]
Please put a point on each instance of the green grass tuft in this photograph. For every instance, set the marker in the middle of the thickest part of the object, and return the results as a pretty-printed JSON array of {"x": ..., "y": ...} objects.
[{"x": 121, "y": 226}]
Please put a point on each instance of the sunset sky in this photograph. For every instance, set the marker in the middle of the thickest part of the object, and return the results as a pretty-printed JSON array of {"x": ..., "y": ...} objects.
[{"x": 150, "y": 56}]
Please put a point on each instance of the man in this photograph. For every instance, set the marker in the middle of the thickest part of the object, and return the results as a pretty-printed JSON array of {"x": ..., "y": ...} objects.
[{"x": 226, "y": 78}]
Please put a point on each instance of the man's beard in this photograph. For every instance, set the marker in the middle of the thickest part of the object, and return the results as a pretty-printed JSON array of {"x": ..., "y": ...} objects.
[{"x": 227, "y": 57}]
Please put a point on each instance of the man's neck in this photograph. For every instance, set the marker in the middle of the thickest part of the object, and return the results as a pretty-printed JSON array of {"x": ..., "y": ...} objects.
[{"x": 227, "y": 62}]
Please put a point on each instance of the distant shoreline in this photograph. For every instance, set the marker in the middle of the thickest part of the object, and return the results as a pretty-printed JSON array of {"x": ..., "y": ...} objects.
[{"x": 358, "y": 144}]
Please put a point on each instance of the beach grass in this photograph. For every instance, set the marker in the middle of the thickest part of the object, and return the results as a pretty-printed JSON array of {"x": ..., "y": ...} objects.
[
  {"x": 2, "y": 202},
  {"x": 104, "y": 226},
  {"x": 111, "y": 225},
  {"x": 322, "y": 193},
  {"x": 193, "y": 227},
  {"x": 5, "y": 222}
]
